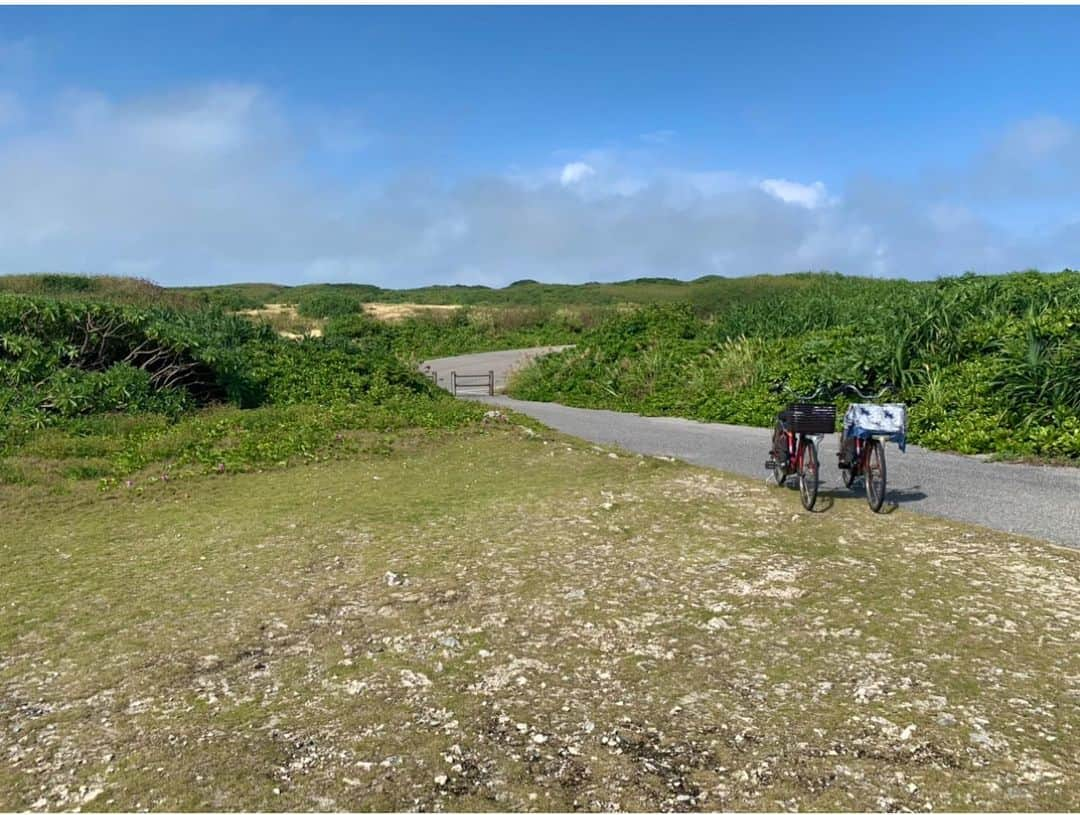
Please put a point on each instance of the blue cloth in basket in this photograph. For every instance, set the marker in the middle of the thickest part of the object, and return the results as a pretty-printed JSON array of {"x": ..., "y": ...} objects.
[{"x": 866, "y": 420}]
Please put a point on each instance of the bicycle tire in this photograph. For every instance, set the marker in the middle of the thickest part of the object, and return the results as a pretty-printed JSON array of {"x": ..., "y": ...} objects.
[
  {"x": 875, "y": 475},
  {"x": 847, "y": 474},
  {"x": 779, "y": 444},
  {"x": 808, "y": 475}
]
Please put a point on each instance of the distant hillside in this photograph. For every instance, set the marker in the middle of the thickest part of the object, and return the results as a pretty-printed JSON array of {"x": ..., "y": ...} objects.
[{"x": 705, "y": 294}]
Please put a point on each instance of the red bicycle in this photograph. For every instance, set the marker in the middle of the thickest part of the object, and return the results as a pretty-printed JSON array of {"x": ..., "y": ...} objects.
[
  {"x": 867, "y": 425},
  {"x": 795, "y": 440}
]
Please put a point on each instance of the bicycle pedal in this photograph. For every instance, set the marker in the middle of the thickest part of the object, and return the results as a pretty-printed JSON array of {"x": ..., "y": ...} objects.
[{"x": 770, "y": 465}]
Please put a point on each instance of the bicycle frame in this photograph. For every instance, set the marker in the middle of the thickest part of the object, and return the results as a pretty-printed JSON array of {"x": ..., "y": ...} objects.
[
  {"x": 796, "y": 444},
  {"x": 859, "y": 460},
  {"x": 862, "y": 454}
]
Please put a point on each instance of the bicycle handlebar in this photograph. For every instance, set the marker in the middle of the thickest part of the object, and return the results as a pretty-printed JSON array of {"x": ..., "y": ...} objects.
[
  {"x": 875, "y": 398},
  {"x": 782, "y": 388},
  {"x": 821, "y": 391},
  {"x": 824, "y": 391}
]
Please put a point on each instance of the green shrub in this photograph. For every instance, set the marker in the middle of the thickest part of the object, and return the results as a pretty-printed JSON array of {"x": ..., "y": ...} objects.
[
  {"x": 326, "y": 304},
  {"x": 462, "y": 331},
  {"x": 109, "y": 389},
  {"x": 66, "y": 284},
  {"x": 986, "y": 364},
  {"x": 100, "y": 288}
]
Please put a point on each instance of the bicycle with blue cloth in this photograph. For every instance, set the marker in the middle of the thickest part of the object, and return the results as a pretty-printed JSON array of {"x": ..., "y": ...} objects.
[{"x": 867, "y": 426}]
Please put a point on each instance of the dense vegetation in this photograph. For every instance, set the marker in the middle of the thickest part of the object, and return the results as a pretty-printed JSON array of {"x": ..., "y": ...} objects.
[
  {"x": 336, "y": 310},
  {"x": 104, "y": 389},
  {"x": 102, "y": 288},
  {"x": 325, "y": 304},
  {"x": 706, "y": 294},
  {"x": 987, "y": 364},
  {"x": 467, "y": 330}
]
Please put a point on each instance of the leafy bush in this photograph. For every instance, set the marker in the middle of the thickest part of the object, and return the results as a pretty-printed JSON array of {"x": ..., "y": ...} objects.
[
  {"x": 987, "y": 364},
  {"x": 325, "y": 304},
  {"x": 65, "y": 365},
  {"x": 65, "y": 284},
  {"x": 101, "y": 288},
  {"x": 465, "y": 330}
]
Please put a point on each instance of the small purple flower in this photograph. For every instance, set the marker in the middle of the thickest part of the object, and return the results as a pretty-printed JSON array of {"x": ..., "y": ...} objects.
[
  {"x": 221, "y": 467},
  {"x": 129, "y": 483},
  {"x": 164, "y": 476}
]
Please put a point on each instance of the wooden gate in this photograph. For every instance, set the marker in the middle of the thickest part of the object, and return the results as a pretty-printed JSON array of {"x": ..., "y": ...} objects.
[{"x": 472, "y": 383}]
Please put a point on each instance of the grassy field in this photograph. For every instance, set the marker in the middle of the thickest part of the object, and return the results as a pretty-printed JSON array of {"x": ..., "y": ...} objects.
[{"x": 501, "y": 618}]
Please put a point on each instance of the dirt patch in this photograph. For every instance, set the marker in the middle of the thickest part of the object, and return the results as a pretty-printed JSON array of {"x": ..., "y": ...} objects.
[
  {"x": 286, "y": 321},
  {"x": 395, "y": 312}
]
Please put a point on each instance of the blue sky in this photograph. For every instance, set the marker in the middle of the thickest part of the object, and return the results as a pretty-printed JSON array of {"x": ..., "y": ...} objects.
[{"x": 409, "y": 145}]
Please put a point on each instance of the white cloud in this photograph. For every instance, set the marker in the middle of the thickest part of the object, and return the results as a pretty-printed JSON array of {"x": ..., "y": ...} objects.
[
  {"x": 216, "y": 184},
  {"x": 1035, "y": 159},
  {"x": 810, "y": 196},
  {"x": 212, "y": 121},
  {"x": 575, "y": 172},
  {"x": 1036, "y": 138}
]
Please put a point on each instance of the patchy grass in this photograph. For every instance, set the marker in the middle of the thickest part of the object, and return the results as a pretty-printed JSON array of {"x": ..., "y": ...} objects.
[
  {"x": 396, "y": 312},
  {"x": 284, "y": 319},
  {"x": 510, "y": 620}
]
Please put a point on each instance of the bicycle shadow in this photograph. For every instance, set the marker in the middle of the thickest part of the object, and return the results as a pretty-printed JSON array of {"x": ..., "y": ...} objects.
[{"x": 828, "y": 497}]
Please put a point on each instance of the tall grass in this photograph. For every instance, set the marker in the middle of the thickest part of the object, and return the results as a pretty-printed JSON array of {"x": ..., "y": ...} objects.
[{"x": 989, "y": 364}]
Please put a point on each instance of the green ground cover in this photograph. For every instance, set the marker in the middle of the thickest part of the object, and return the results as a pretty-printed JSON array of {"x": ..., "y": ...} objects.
[
  {"x": 986, "y": 364},
  {"x": 469, "y": 329},
  {"x": 104, "y": 391},
  {"x": 501, "y": 618},
  {"x": 245, "y": 572}
]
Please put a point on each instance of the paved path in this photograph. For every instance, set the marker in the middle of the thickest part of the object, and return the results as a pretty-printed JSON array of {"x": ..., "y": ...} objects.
[
  {"x": 1043, "y": 502},
  {"x": 501, "y": 363}
]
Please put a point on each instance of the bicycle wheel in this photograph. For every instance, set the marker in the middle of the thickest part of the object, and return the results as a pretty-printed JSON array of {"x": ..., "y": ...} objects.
[
  {"x": 779, "y": 454},
  {"x": 847, "y": 451},
  {"x": 808, "y": 474},
  {"x": 875, "y": 475}
]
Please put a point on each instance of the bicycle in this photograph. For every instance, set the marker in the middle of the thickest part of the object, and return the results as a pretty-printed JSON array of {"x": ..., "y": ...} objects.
[
  {"x": 795, "y": 440},
  {"x": 867, "y": 425}
]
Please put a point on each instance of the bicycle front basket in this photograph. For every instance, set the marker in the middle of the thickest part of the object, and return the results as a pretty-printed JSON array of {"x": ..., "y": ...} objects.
[
  {"x": 867, "y": 420},
  {"x": 812, "y": 419}
]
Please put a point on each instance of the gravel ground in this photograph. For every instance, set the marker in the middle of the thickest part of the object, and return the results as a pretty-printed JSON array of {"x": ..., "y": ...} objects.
[
  {"x": 505, "y": 619},
  {"x": 1043, "y": 502}
]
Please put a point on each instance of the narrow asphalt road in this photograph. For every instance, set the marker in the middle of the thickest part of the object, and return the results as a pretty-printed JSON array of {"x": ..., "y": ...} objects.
[{"x": 1043, "y": 502}]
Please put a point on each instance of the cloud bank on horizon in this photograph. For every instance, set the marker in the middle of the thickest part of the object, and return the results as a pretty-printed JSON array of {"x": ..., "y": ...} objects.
[{"x": 216, "y": 182}]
